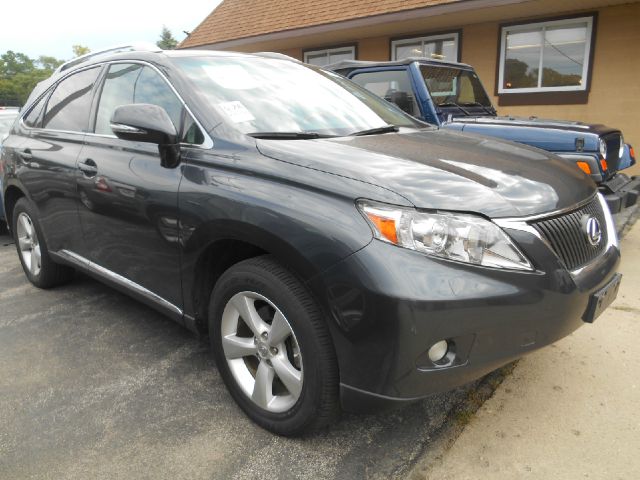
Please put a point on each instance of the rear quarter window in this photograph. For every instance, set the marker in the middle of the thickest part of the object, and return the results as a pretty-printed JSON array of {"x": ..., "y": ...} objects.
[{"x": 70, "y": 103}]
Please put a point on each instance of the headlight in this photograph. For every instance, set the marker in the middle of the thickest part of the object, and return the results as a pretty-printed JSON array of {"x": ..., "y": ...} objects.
[
  {"x": 603, "y": 148},
  {"x": 621, "y": 151},
  {"x": 459, "y": 237}
]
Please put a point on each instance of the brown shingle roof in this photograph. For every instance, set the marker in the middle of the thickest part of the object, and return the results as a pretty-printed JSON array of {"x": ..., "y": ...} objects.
[{"x": 235, "y": 19}]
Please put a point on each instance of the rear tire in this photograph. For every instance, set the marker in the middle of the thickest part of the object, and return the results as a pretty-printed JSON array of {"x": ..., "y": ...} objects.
[
  {"x": 38, "y": 266},
  {"x": 273, "y": 348}
]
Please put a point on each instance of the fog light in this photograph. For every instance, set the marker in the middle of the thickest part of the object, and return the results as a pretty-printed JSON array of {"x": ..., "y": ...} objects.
[{"x": 438, "y": 351}]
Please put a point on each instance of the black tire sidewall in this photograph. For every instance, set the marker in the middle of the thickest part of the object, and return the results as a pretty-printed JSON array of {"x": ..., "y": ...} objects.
[{"x": 246, "y": 277}]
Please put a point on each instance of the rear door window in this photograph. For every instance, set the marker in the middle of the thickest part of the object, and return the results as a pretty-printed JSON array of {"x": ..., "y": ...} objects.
[{"x": 70, "y": 103}]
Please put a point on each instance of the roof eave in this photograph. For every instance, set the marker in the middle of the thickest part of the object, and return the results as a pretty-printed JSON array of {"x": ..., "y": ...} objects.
[{"x": 461, "y": 6}]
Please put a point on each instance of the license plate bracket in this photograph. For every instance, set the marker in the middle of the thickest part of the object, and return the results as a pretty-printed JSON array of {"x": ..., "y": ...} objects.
[{"x": 600, "y": 300}]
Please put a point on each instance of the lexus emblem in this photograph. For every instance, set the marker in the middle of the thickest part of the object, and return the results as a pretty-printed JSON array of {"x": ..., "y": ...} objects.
[{"x": 593, "y": 231}]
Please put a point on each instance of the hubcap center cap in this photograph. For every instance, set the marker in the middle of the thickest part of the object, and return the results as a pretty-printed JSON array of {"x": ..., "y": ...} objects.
[{"x": 263, "y": 350}]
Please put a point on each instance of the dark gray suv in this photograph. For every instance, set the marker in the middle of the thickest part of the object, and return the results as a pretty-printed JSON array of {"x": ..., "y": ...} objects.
[{"x": 339, "y": 253}]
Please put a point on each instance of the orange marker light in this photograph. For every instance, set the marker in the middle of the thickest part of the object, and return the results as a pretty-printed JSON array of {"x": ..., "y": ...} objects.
[
  {"x": 632, "y": 153},
  {"x": 386, "y": 227},
  {"x": 584, "y": 166},
  {"x": 603, "y": 164}
]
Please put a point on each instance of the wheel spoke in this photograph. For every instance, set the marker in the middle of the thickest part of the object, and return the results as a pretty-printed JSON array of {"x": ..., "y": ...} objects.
[
  {"x": 280, "y": 330},
  {"x": 288, "y": 375},
  {"x": 263, "y": 388},
  {"x": 24, "y": 243},
  {"x": 34, "y": 262},
  {"x": 26, "y": 257},
  {"x": 26, "y": 225},
  {"x": 238, "y": 347},
  {"x": 247, "y": 310}
]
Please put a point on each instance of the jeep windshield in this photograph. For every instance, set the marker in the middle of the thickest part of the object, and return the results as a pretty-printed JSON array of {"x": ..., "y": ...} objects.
[
  {"x": 456, "y": 87},
  {"x": 281, "y": 99}
]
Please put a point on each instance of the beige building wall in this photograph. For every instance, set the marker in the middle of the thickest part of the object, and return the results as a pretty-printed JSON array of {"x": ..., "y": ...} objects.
[{"x": 615, "y": 88}]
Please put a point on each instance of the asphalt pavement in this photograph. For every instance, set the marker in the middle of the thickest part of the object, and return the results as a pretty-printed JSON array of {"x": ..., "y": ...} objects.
[{"x": 96, "y": 385}]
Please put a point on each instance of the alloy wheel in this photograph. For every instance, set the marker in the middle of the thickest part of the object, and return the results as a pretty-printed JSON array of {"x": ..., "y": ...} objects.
[
  {"x": 262, "y": 351},
  {"x": 28, "y": 244}
]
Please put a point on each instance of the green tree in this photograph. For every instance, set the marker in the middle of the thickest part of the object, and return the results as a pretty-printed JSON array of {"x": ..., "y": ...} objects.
[
  {"x": 49, "y": 63},
  {"x": 166, "y": 42},
  {"x": 79, "y": 50},
  {"x": 12, "y": 63},
  {"x": 19, "y": 74}
]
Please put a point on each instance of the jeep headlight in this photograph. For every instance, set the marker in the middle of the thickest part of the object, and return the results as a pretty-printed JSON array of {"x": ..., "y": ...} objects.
[
  {"x": 603, "y": 148},
  {"x": 621, "y": 151},
  {"x": 459, "y": 237}
]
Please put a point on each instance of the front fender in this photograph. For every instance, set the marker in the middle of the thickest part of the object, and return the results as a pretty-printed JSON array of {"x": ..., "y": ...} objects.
[{"x": 308, "y": 229}]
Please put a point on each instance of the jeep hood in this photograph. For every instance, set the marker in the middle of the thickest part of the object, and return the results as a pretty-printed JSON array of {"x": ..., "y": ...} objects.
[
  {"x": 438, "y": 169},
  {"x": 553, "y": 135}
]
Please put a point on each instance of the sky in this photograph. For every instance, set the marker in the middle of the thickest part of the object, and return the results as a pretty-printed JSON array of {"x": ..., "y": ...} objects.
[{"x": 51, "y": 27}]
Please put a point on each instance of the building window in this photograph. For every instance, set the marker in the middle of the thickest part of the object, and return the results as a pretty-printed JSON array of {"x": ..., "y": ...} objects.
[
  {"x": 436, "y": 47},
  {"x": 329, "y": 55},
  {"x": 545, "y": 57}
]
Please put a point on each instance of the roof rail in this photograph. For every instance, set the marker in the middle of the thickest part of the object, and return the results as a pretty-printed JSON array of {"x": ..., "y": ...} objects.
[{"x": 134, "y": 47}]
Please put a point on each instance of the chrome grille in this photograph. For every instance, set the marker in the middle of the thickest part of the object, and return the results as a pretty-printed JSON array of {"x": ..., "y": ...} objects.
[{"x": 567, "y": 235}]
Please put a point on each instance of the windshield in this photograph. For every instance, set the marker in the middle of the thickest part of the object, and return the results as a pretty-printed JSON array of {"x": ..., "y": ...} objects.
[
  {"x": 272, "y": 95},
  {"x": 450, "y": 86}
]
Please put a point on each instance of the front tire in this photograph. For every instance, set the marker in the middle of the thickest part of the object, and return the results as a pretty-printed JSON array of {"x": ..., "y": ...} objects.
[
  {"x": 273, "y": 349},
  {"x": 38, "y": 266}
]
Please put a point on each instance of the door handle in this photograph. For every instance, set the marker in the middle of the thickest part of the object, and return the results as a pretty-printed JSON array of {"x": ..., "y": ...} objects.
[
  {"x": 88, "y": 168},
  {"x": 25, "y": 155}
]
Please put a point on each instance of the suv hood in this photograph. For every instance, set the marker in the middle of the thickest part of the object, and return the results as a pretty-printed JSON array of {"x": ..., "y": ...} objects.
[
  {"x": 554, "y": 135},
  {"x": 438, "y": 169}
]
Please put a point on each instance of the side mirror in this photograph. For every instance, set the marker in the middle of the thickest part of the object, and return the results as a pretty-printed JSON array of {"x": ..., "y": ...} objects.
[{"x": 142, "y": 122}]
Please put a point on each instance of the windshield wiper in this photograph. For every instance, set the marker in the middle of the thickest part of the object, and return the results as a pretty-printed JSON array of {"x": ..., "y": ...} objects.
[
  {"x": 288, "y": 135},
  {"x": 375, "y": 131},
  {"x": 489, "y": 110},
  {"x": 454, "y": 104}
]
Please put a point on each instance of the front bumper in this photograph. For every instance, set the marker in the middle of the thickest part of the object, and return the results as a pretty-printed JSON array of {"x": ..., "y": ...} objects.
[
  {"x": 620, "y": 191},
  {"x": 389, "y": 305}
]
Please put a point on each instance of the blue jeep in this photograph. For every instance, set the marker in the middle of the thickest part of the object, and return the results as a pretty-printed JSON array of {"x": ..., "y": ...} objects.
[{"x": 452, "y": 96}]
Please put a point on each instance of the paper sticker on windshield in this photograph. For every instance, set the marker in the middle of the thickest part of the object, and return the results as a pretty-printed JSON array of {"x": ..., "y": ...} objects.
[
  {"x": 236, "y": 111},
  {"x": 233, "y": 77}
]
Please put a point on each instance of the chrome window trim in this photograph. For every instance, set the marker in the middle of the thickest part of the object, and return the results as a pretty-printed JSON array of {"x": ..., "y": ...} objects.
[
  {"x": 206, "y": 145},
  {"x": 86, "y": 264}
]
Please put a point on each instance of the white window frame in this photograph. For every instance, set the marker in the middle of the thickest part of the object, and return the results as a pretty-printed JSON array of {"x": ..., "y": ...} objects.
[
  {"x": 427, "y": 39},
  {"x": 543, "y": 26},
  {"x": 329, "y": 51}
]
